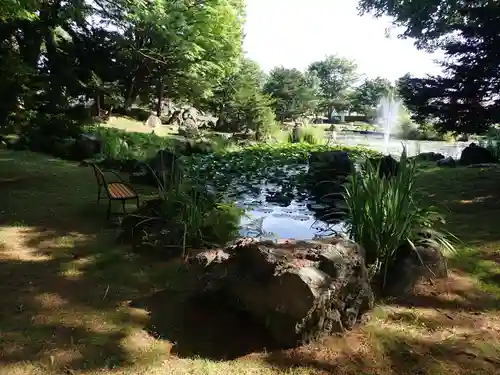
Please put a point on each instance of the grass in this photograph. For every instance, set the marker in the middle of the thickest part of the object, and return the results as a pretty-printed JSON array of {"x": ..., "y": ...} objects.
[
  {"x": 133, "y": 125},
  {"x": 75, "y": 302}
]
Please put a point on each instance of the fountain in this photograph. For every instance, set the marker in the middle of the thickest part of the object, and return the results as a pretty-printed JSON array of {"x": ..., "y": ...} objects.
[{"x": 388, "y": 117}]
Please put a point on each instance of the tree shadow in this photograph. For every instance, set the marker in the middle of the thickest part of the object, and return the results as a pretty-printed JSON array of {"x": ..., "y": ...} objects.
[{"x": 205, "y": 326}]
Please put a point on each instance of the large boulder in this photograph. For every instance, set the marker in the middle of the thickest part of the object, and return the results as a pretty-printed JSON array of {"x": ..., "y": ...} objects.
[
  {"x": 299, "y": 290},
  {"x": 388, "y": 166},
  {"x": 447, "y": 162},
  {"x": 328, "y": 171},
  {"x": 88, "y": 146},
  {"x": 165, "y": 167},
  {"x": 474, "y": 154},
  {"x": 413, "y": 265},
  {"x": 429, "y": 156},
  {"x": 153, "y": 121}
]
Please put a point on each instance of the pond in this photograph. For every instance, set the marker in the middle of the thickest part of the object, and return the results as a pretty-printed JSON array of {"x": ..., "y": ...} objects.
[
  {"x": 301, "y": 217},
  {"x": 376, "y": 142}
]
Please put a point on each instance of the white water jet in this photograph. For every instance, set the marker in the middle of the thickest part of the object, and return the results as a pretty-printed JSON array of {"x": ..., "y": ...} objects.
[{"x": 388, "y": 117}]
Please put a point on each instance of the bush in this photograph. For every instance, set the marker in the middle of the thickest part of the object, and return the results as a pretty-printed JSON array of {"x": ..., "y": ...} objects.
[
  {"x": 492, "y": 142},
  {"x": 384, "y": 216},
  {"x": 184, "y": 217},
  {"x": 307, "y": 134}
]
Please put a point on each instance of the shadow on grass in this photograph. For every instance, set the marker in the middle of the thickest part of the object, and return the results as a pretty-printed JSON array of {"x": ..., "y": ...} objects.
[
  {"x": 391, "y": 351},
  {"x": 204, "y": 327},
  {"x": 66, "y": 285}
]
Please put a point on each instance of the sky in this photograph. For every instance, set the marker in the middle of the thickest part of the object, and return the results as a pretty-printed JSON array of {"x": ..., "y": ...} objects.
[{"x": 294, "y": 33}]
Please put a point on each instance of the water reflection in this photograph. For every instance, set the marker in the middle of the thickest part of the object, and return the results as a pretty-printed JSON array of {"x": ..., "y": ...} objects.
[
  {"x": 299, "y": 219},
  {"x": 277, "y": 212}
]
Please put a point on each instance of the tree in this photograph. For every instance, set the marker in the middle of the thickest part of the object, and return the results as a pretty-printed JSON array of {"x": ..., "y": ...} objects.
[
  {"x": 465, "y": 98},
  {"x": 295, "y": 94},
  {"x": 59, "y": 51},
  {"x": 366, "y": 96},
  {"x": 425, "y": 21},
  {"x": 336, "y": 75},
  {"x": 240, "y": 103}
]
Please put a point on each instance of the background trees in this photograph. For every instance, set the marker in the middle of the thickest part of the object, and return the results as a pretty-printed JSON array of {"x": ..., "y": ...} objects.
[
  {"x": 56, "y": 53},
  {"x": 336, "y": 75},
  {"x": 295, "y": 93},
  {"x": 464, "y": 99}
]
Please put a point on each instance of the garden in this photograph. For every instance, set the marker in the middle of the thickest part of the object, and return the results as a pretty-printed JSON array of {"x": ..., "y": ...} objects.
[{"x": 240, "y": 237}]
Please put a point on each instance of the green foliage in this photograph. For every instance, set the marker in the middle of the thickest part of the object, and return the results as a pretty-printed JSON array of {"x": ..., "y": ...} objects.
[
  {"x": 336, "y": 75},
  {"x": 366, "y": 97},
  {"x": 259, "y": 163},
  {"x": 240, "y": 103},
  {"x": 467, "y": 32},
  {"x": 165, "y": 48},
  {"x": 123, "y": 145},
  {"x": 308, "y": 134},
  {"x": 491, "y": 141},
  {"x": 295, "y": 94},
  {"x": 384, "y": 215},
  {"x": 196, "y": 219}
]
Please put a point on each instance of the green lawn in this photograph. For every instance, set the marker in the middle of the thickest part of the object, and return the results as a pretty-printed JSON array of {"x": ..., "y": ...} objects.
[{"x": 75, "y": 302}]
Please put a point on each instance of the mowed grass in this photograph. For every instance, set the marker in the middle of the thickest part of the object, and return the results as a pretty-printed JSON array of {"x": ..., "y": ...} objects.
[
  {"x": 133, "y": 125},
  {"x": 73, "y": 301}
]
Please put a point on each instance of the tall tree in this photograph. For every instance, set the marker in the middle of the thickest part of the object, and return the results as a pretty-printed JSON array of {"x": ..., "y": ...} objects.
[
  {"x": 465, "y": 98},
  {"x": 336, "y": 76},
  {"x": 295, "y": 93},
  {"x": 366, "y": 96},
  {"x": 239, "y": 102}
]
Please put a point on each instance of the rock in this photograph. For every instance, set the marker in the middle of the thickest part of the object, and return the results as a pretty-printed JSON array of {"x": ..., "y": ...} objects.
[
  {"x": 165, "y": 167},
  {"x": 299, "y": 290},
  {"x": 328, "y": 171},
  {"x": 188, "y": 128},
  {"x": 429, "y": 156},
  {"x": 88, "y": 146},
  {"x": 412, "y": 266},
  {"x": 474, "y": 154},
  {"x": 281, "y": 199},
  {"x": 388, "y": 166},
  {"x": 447, "y": 162},
  {"x": 153, "y": 121}
]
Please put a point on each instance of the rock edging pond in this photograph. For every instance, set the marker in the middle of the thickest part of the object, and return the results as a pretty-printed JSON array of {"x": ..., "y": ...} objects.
[{"x": 299, "y": 290}]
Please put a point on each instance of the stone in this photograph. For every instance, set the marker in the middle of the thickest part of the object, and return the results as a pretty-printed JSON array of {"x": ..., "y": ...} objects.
[
  {"x": 429, "y": 156},
  {"x": 447, "y": 162},
  {"x": 188, "y": 128},
  {"x": 165, "y": 167},
  {"x": 388, "y": 166},
  {"x": 299, "y": 290},
  {"x": 153, "y": 121},
  {"x": 474, "y": 154},
  {"x": 327, "y": 172},
  {"x": 88, "y": 146},
  {"x": 412, "y": 266}
]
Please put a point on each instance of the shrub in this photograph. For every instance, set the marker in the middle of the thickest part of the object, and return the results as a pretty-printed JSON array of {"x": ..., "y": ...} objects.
[
  {"x": 185, "y": 216},
  {"x": 307, "y": 134},
  {"x": 384, "y": 216},
  {"x": 492, "y": 142}
]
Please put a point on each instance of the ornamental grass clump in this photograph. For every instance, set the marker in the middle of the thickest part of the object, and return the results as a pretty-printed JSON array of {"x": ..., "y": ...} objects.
[{"x": 385, "y": 217}]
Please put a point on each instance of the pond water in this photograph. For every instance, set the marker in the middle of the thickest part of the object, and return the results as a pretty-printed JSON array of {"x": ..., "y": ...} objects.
[{"x": 301, "y": 218}]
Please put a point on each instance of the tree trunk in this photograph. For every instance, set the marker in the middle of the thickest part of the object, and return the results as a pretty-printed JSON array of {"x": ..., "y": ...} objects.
[{"x": 161, "y": 87}]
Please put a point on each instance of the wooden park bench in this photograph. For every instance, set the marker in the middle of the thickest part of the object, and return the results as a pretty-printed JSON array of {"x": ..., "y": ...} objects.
[{"x": 116, "y": 190}]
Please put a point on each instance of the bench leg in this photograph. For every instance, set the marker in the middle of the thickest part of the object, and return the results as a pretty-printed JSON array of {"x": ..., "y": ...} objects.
[
  {"x": 137, "y": 202},
  {"x": 108, "y": 216}
]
